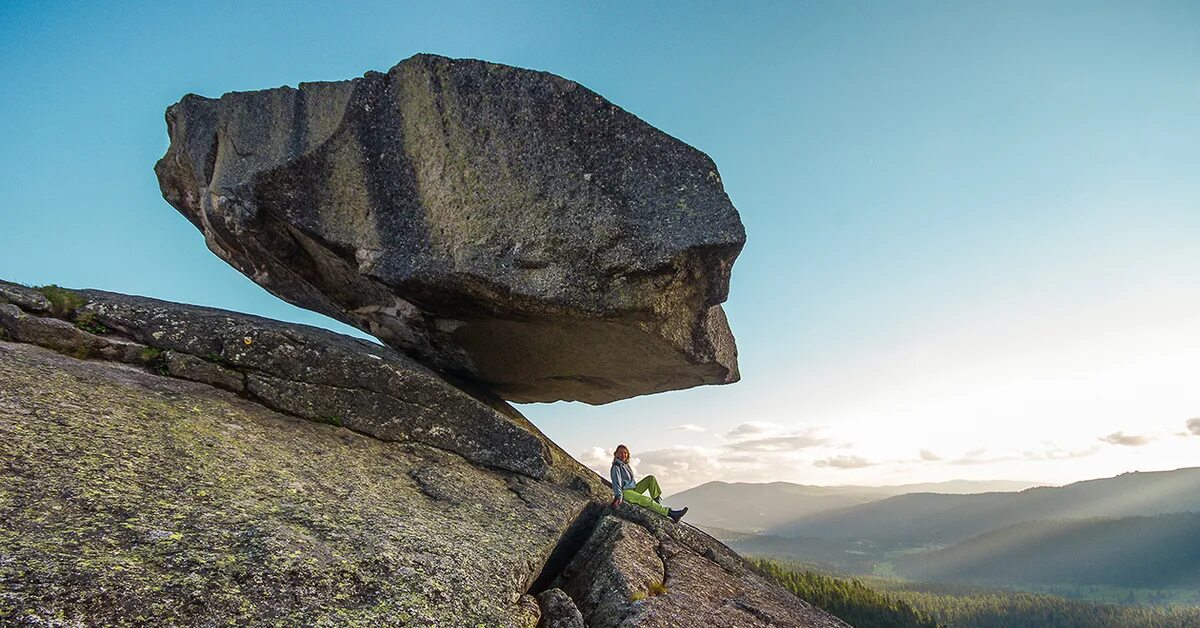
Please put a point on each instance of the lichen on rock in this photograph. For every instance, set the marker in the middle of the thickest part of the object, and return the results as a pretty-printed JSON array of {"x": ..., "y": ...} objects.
[{"x": 130, "y": 498}]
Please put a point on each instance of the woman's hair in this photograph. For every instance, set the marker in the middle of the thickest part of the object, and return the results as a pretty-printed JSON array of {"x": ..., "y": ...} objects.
[{"x": 619, "y": 448}]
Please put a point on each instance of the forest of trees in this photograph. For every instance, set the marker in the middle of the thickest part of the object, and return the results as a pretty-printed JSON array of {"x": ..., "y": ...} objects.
[
  {"x": 849, "y": 599},
  {"x": 925, "y": 606}
]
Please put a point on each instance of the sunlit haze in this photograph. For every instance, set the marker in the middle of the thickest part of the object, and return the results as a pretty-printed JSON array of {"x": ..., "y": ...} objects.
[{"x": 973, "y": 228}]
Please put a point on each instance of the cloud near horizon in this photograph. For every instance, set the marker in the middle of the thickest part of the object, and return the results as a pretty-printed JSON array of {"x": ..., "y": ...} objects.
[
  {"x": 1128, "y": 440},
  {"x": 1193, "y": 426},
  {"x": 752, "y": 451},
  {"x": 1054, "y": 452},
  {"x": 689, "y": 427},
  {"x": 770, "y": 437},
  {"x": 787, "y": 442},
  {"x": 1049, "y": 451},
  {"x": 750, "y": 428},
  {"x": 844, "y": 462}
]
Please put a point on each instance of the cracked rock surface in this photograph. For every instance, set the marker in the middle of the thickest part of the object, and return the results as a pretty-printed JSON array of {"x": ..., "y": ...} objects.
[{"x": 504, "y": 225}]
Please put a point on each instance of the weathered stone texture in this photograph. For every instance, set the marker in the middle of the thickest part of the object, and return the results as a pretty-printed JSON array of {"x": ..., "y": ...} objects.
[
  {"x": 24, "y": 298},
  {"x": 638, "y": 569},
  {"x": 129, "y": 498},
  {"x": 327, "y": 377},
  {"x": 505, "y": 225},
  {"x": 559, "y": 610}
]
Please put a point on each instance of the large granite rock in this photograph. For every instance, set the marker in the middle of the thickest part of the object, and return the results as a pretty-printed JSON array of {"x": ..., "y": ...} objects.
[
  {"x": 508, "y": 226},
  {"x": 146, "y": 478},
  {"x": 129, "y": 498}
]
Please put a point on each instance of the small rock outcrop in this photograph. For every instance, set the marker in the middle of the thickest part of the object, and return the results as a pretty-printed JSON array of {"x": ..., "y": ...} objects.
[
  {"x": 507, "y": 226},
  {"x": 638, "y": 569},
  {"x": 558, "y": 610}
]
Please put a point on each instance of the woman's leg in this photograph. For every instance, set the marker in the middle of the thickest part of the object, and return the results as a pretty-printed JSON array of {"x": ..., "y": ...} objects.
[
  {"x": 649, "y": 483},
  {"x": 634, "y": 497}
]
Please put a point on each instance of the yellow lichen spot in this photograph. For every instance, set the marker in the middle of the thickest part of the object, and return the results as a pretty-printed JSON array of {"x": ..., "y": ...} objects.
[{"x": 247, "y": 340}]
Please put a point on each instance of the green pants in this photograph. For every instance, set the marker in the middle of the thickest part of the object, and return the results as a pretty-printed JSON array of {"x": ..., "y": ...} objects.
[{"x": 634, "y": 495}]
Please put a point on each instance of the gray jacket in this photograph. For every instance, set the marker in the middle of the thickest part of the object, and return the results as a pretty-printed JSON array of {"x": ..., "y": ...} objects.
[{"x": 622, "y": 477}]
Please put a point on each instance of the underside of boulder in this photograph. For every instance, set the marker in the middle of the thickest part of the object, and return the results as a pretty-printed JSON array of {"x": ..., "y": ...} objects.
[{"x": 503, "y": 225}]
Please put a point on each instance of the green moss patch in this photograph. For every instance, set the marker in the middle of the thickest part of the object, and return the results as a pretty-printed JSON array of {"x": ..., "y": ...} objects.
[{"x": 63, "y": 302}]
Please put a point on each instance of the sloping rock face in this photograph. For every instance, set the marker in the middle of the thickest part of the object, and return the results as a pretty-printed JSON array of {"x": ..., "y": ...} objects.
[
  {"x": 146, "y": 479},
  {"x": 508, "y": 226},
  {"x": 130, "y": 498}
]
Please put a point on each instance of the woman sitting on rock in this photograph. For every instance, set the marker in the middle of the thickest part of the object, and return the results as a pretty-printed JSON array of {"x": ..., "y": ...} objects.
[{"x": 625, "y": 489}]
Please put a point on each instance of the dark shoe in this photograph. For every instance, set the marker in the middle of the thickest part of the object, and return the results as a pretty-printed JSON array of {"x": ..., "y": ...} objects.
[
  {"x": 658, "y": 500},
  {"x": 676, "y": 515}
]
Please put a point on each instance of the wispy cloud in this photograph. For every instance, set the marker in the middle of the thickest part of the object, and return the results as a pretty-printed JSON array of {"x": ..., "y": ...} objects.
[
  {"x": 978, "y": 456},
  {"x": 929, "y": 456},
  {"x": 786, "y": 442},
  {"x": 752, "y": 428},
  {"x": 1054, "y": 452},
  {"x": 1049, "y": 451},
  {"x": 689, "y": 427},
  {"x": 1127, "y": 440},
  {"x": 980, "y": 459},
  {"x": 844, "y": 462},
  {"x": 770, "y": 437},
  {"x": 1193, "y": 426}
]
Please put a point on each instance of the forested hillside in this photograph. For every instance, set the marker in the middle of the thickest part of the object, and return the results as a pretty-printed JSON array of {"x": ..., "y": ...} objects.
[
  {"x": 878, "y": 603},
  {"x": 927, "y": 518},
  {"x": 1159, "y": 551},
  {"x": 749, "y": 507}
]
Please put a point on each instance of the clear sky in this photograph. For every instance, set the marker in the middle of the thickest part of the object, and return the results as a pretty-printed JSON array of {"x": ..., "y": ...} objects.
[{"x": 974, "y": 228}]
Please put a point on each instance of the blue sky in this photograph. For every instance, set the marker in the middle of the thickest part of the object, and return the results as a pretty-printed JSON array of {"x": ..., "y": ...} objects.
[{"x": 973, "y": 227}]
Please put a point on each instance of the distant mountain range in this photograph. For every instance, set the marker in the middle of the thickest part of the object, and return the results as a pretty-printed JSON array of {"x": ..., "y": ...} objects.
[
  {"x": 1158, "y": 551},
  {"x": 937, "y": 519},
  {"x": 746, "y": 507},
  {"x": 1138, "y": 529}
]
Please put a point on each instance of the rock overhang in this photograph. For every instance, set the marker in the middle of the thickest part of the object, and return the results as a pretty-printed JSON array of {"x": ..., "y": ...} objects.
[{"x": 504, "y": 225}]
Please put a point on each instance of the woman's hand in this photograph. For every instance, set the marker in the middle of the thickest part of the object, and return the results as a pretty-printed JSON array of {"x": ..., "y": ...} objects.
[{"x": 617, "y": 501}]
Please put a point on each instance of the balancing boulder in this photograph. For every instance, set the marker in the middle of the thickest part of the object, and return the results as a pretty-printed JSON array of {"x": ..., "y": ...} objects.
[{"x": 503, "y": 225}]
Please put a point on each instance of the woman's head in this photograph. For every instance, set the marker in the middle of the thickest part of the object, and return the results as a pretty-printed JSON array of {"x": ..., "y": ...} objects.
[{"x": 622, "y": 453}]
